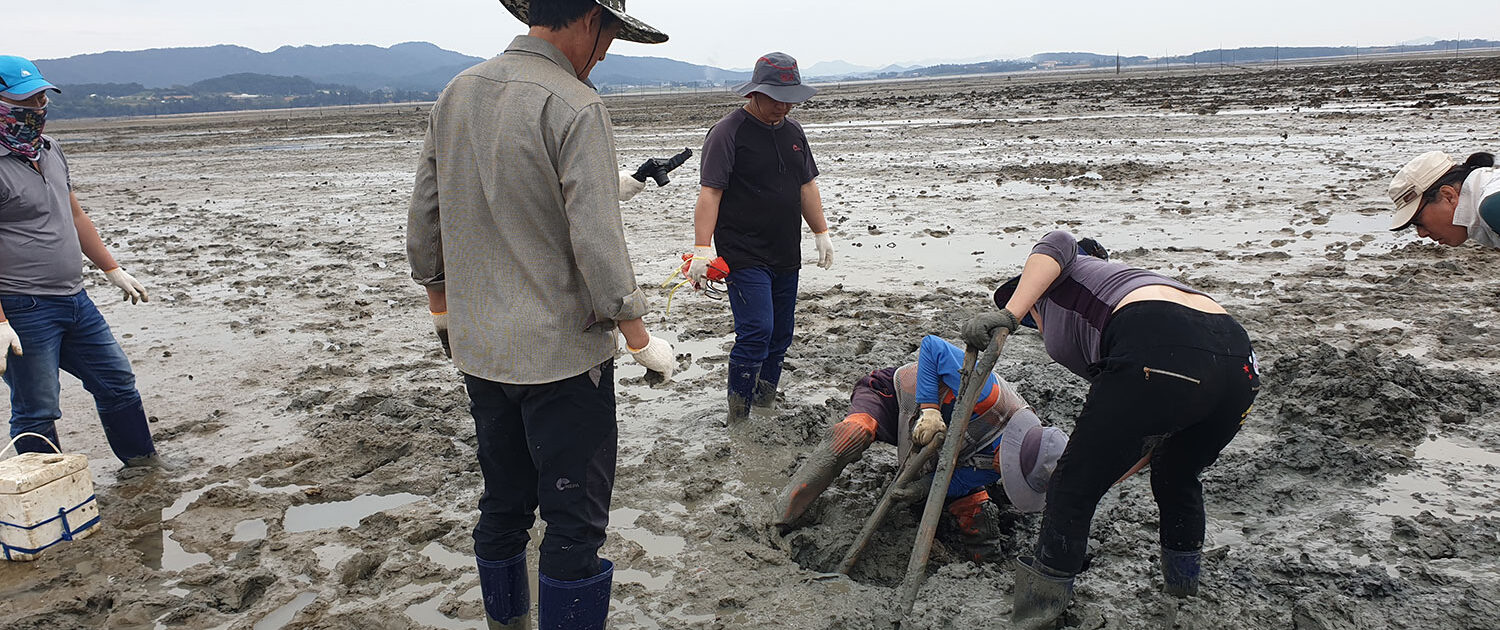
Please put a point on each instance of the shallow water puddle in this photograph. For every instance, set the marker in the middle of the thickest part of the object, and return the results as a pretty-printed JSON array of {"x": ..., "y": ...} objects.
[
  {"x": 161, "y": 552},
  {"x": 305, "y": 518},
  {"x": 282, "y": 616},
  {"x": 253, "y": 529},
  {"x": 331, "y": 554},
  {"x": 439, "y": 554},
  {"x": 644, "y": 578},
  {"x": 1452, "y": 480},
  {"x": 622, "y": 521}
]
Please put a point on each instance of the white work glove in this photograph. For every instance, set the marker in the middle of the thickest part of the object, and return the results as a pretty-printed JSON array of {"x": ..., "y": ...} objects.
[
  {"x": 440, "y": 322},
  {"x": 929, "y": 426},
  {"x": 10, "y": 340},
  {"x": 133, "y": 289},
  {"x": 825, "y": 249},
  {"x": 657, "y": 356},
  {"x": 698, "y": 268},
  {"x": 629, "y": 187}
]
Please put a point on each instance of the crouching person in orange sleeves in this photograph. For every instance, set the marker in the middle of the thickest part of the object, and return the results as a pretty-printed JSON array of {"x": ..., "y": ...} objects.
[{"x": 910, "y": 406}]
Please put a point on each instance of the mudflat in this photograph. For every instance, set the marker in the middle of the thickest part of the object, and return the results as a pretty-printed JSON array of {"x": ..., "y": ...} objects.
[{"x": 323, "y": 473}]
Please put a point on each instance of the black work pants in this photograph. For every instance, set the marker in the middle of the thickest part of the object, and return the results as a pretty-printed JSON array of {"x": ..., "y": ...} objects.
[
  {"x": 1174, "y": 383},
  {"x": 550, "y": 446}
]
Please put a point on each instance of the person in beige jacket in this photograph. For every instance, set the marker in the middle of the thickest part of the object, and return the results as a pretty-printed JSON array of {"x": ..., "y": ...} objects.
[{"x": 515, "y": 232}]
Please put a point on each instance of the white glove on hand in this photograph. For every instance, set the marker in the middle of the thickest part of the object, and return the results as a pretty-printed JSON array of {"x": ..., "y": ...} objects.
[
  {"x": 133, "y": 289},
  {"x": 929, "y": 426},
  {"x": 629, "y": 187},
  {"x": 825, "y": 249},
  {"x": 440, "y": 322},
  {"x": 698, "y": 269},
  {"x": 10, "y": 340},
  {"x": 657, "y": 356}
]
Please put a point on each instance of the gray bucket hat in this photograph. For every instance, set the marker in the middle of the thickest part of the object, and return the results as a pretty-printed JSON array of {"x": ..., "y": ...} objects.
[
  {"x": 776, "y": 76},
  {"x": 1028, "y": 455},
  {"x": 633, "y": 31}
]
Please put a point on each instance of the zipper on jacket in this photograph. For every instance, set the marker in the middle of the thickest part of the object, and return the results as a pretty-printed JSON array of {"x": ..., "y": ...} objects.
[{"x": 1150, "y": 371}]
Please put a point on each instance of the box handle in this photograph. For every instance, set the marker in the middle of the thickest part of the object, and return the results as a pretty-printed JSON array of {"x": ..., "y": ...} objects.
[{"x": 37, "y": 435}]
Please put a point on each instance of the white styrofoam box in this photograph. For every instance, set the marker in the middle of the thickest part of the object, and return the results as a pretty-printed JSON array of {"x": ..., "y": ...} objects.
[{"x": 45, "y": 498}]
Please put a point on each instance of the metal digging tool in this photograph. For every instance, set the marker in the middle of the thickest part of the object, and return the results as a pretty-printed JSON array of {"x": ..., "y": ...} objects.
[
  {"x": 913, "y": 467},
  {"x": 972, "y": 383}
]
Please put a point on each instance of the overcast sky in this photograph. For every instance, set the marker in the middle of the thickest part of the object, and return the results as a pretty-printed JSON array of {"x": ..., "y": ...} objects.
[{"x": 734, "y": 34}]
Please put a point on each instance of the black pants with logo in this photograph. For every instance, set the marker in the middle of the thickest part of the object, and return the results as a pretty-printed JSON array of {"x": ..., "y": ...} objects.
[
  {"x": 550, "y": 446},
  {"x": 1174, "y": 383}
]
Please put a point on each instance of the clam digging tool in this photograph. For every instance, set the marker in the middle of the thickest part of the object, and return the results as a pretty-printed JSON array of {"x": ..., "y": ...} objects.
[
  {"x": 657, "y": 168},
  {"x": 713, "y": 281},
  {"x": 912, "y": 468},
  {"x": 974, "y": 376}
]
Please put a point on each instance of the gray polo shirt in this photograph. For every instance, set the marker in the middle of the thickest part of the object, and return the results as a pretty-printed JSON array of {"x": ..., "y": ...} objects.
[
  {"x": 39, "y": 252},
  {"x": 515, "y": 214},
  {"x": 1079, "y": 304}
]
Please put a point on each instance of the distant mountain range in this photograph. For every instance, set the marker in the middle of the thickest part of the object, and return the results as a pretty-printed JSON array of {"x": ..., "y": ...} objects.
[
  {"x": 413, "y": 66},
  {"x": 174, "y": 80}
]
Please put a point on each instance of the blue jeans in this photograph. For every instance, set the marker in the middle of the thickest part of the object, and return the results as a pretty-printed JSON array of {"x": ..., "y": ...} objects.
[
  {"x": 69, "y": 333},
  {"x": 764, "y": 303}
]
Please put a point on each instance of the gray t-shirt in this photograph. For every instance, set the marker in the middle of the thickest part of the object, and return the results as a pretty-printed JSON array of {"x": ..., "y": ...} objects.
[
  {"x": 1079, "y": 304},
  {"x": 39, "y": 251}
]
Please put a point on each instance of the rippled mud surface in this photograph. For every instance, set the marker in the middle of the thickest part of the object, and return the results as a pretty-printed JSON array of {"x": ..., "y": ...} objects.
[{"x": 323, "y": 469}]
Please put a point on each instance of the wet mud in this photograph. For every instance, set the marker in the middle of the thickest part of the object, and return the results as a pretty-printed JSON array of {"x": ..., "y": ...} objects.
[{"x": 322, "y": 458}]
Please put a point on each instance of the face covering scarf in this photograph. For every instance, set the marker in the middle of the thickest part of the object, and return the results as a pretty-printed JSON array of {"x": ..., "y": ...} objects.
[{"x": 21, "y": 130}]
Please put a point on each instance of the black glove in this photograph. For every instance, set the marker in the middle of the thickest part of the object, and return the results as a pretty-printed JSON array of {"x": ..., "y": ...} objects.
[
  {"x": 657, "y": 168},
  {"x": 1093, "y": 248},
  {"x": 979, "y": 331}
]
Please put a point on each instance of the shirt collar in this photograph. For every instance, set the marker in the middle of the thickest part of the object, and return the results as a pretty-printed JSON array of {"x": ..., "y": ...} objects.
[{"x": 542, "y": 48}]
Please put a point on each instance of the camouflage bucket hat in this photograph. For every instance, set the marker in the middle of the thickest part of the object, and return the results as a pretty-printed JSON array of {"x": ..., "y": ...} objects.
[{"x": 633, "y": 30}]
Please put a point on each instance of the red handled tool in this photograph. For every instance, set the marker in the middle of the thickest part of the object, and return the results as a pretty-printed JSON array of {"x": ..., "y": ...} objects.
[{"x": 713, "y": 281}]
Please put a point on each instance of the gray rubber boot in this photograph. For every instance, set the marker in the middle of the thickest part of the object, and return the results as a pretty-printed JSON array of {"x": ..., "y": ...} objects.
[{"x": 1040, "y": 597}]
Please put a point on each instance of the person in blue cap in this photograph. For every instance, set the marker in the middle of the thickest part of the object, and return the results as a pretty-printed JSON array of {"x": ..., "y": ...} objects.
[
  {"x": 47, "y": 321},
  {"x": 758, "y": 185},
  {"x": 910, "y": 406}
]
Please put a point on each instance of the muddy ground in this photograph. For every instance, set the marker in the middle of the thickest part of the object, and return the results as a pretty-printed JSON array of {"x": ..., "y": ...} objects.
[{"x": 323, "y": 469}]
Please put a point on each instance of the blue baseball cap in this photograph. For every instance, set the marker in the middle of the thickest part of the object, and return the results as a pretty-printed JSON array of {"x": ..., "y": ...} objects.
[{"x": 19, "y": 78}]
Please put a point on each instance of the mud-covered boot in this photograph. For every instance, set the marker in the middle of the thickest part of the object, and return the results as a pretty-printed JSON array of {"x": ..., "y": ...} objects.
[
  {"x": 742, "y": 379},
  {"x": 1179, "y": 570},
  {"x": 576, "y": 605},
  {"x": 739, "y": 409},
  {"x": 507, "y": 595},
  {"x": 129, "y": 435},
  {"x": 977, "y": 522},
  {"x": 765, "y": 397},
  {"x": 1040, "y": 597},
  {"x": 845, "y": 443}
]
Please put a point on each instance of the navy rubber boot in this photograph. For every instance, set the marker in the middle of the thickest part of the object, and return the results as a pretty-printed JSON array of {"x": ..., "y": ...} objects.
[
  {"x": 128, "y": 435},
  {"x": 1179, "y": 570},
  {"x": 577, "y": 605},
  {"x": 765, "y": 396},
  {"x": 507, "y": 595},
  {"x": 31, "y": 444},
  {"x": 742, "y": 382}
]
